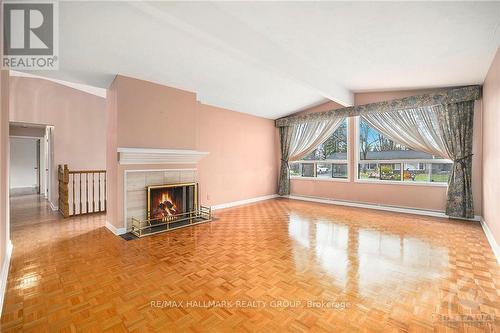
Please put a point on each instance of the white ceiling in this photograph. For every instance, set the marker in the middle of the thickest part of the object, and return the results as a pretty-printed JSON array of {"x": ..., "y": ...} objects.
[{"x": 274, "y": 58}]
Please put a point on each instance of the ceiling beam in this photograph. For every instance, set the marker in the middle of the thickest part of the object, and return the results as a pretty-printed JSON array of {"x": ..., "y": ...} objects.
[{"x": 234, "y": 38}]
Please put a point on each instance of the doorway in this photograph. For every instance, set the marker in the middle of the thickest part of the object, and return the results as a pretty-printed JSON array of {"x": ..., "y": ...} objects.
[
  {"x": 24, "y": 166},
  {"x": 30, "y": 160}
]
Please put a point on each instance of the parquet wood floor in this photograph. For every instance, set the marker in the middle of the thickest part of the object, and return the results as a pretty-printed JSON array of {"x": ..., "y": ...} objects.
[{"x": 365, "y": 270}]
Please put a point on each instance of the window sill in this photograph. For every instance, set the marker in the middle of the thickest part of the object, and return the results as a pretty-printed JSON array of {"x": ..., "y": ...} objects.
[
  {"x": 342, "y": 180},
  {"x": 389, "y": 182}
]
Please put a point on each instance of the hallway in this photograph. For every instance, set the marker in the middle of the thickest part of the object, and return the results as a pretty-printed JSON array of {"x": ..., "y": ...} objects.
[{"x": 381, "y": 272}]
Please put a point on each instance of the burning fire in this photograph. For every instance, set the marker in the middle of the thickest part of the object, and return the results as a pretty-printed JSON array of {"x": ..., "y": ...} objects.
[
  {"x": 170, "y": 206},
  {"x": 165, "y": 206}
]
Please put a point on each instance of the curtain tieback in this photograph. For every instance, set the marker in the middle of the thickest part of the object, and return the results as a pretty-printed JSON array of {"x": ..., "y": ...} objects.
[
  {"x": 285, "y": 163},
  {"x": 463, "y": 159}
]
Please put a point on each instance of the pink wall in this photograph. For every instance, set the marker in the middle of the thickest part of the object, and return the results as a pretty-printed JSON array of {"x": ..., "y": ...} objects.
[
  {"x": 330, "y": 105},
  {"x": 155, "y": 116},
  {"x": 428, "y": 197},
  {"x": 491, "y": 148},
  {"x": 242, "y": 163},
  {"x": 78, "y": 118},
  {"x": 4, "y": 164}
]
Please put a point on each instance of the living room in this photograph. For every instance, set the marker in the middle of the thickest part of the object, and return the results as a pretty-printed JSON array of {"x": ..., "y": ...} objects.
[{"x": 250, "y": 166}]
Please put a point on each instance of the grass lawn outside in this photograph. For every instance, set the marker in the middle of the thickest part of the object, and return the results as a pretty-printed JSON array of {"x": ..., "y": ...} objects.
[{"x": 435, "y": 178}]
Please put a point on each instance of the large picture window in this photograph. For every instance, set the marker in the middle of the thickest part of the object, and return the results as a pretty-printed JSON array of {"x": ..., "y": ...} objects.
[
  {"x": 328, "y": 160},
  {"x": 382, "y": 159}
]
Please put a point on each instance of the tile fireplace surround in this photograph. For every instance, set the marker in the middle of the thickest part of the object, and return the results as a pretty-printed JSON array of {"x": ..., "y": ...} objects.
[{"x": 136, "y": 178}]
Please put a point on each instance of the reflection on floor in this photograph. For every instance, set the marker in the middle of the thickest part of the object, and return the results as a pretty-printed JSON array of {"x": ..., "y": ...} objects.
[{"x": 279, "y": 265}]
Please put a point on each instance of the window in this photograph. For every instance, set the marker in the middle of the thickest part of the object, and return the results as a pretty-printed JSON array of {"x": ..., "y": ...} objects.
[
  {"x": 340, "y": 171},
  {"x": 381, "y": 159},
  {"x": 307, "y": 170},
  {"x": 327, "y": 161},
  {"x": 324, "y": 170},
  {"x": 295, "y": 169}
]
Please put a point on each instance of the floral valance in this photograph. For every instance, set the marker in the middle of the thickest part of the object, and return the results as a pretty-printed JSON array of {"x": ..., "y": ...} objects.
[{"x": 442, "y": 97}]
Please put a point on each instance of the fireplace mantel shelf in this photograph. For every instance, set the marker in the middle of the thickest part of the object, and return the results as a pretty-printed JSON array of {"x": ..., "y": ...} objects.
[{"x": 159, "y": 156}]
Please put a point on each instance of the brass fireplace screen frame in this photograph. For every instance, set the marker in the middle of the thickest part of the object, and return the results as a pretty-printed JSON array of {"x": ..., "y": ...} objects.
[{"x": 150, "y": 226}]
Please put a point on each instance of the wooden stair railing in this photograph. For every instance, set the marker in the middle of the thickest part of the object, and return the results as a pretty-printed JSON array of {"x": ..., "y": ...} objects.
[
  {"x": 81, "y": 192},
  {"x": 63, "y": 178}
]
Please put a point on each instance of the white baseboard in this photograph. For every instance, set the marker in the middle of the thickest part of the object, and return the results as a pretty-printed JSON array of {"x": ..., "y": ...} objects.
[
  {"x": 244, "y": 202},
  {"x": 5, "y": 273},
  {"x": 53, "y": 207},
  {"x": 491, "y": 240},
  {"x": 404, "y": 210},
  {"x": 115, "y": 230}
]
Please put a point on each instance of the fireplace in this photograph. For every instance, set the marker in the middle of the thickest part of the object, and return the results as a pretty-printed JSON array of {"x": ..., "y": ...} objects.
[
  {"x": 169, "y": 201},
  {"x": 169, "y": 207}
]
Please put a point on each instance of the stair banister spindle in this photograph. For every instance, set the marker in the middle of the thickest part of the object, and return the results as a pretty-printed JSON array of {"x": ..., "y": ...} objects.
[{"x": 66, "y": 184}]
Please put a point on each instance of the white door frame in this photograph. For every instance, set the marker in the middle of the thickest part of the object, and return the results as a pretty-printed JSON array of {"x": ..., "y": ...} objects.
[{"x": 49, "y": 137}]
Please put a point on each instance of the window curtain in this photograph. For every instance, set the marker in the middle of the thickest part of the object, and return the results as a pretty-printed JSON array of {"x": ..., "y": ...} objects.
[
  {"x": 456, "y": 122},
  {"x": 284, "y": 180},
  {"x": 440, "y": 97},
  {"x": 439, "y": 123},
  {"x": 443, "y": 130},
  {"x": 298, "y": 140},
  {"x": 416, "y": 128}
]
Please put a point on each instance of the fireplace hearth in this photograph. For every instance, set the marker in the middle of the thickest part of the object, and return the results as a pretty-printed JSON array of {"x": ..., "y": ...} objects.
[{"x": 169, "y": 207}]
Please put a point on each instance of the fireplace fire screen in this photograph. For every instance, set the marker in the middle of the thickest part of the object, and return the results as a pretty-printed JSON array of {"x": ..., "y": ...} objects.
[
  {"x": 172, "y": 199},
  {"x": 170, "y": 207}
]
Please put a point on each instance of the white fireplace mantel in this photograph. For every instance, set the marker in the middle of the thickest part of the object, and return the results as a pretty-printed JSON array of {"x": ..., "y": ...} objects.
[{"x": 159, "y": 156}]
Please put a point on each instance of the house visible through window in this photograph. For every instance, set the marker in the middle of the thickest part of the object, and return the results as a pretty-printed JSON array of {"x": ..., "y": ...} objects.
[
  {"x": 382, "y": 159},
  {"x": 328, "y": 160}
]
